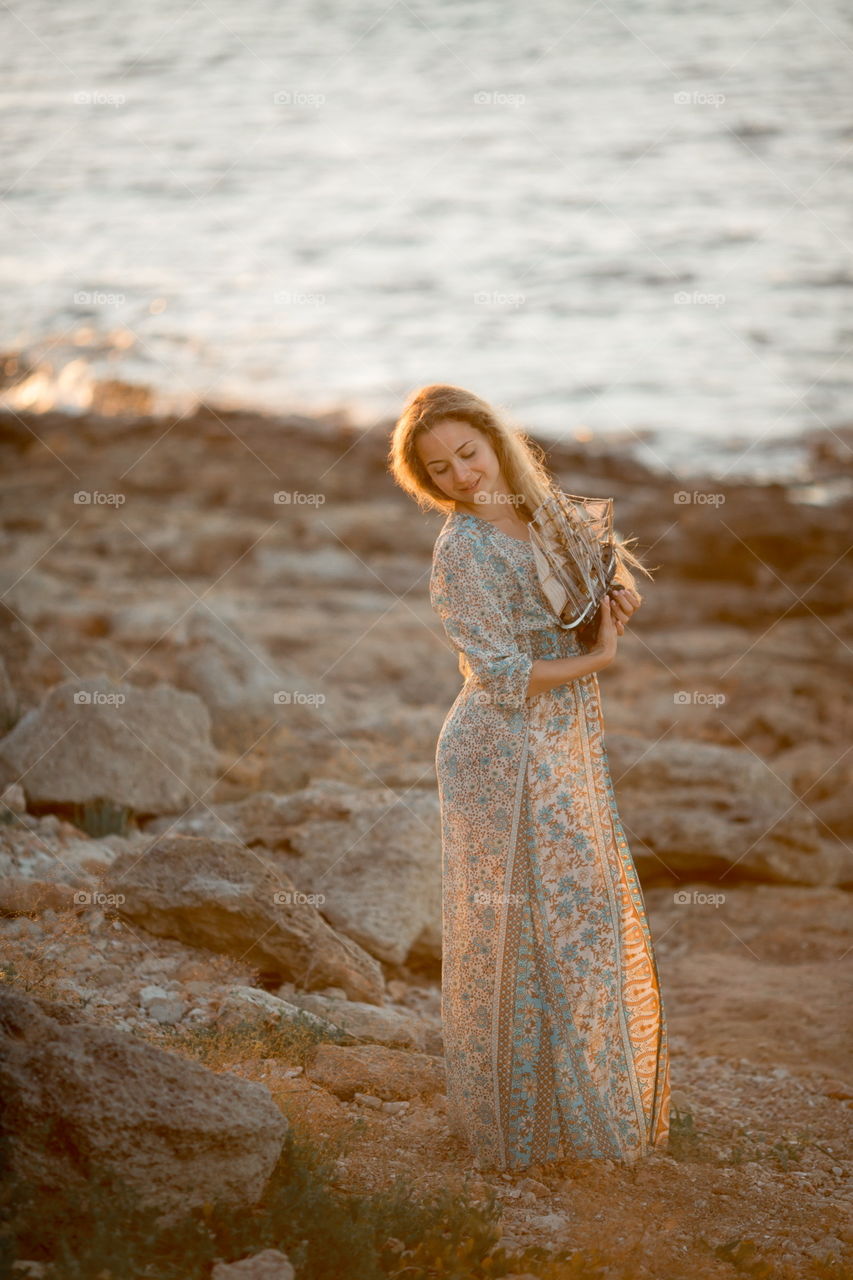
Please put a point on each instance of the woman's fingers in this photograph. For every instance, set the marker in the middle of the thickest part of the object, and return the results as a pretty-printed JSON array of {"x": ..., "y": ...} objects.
[{"x": 624, "y": 604}]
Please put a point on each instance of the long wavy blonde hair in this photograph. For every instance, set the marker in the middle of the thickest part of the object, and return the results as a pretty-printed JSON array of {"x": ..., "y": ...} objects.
[{"x": 521, "y": 459}]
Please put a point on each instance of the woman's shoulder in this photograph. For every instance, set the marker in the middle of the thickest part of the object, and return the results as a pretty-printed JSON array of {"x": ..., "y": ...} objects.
[{"x": 459, "y": 539}]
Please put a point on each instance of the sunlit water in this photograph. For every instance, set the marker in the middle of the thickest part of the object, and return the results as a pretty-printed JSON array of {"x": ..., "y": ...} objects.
[{"x": 628, "y": 219}]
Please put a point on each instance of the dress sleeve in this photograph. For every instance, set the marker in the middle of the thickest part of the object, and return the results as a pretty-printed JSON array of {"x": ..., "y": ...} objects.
[{"x": 470, "y": 607}]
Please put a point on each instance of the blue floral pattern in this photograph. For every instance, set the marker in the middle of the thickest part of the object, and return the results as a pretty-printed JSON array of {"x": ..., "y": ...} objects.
[{"x": 554, "y": 1028}]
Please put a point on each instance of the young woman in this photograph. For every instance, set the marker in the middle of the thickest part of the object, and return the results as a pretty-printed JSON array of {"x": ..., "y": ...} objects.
[{"x": 554, "y": 1029}]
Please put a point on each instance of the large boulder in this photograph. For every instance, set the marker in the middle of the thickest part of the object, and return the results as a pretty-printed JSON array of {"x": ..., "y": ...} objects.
[
  {"x": 223, "y": 896},
  {"x": 148, "y": 749},
  {"x": 377, "y": 856},
  {"x": 80, "y": 1100},
  {"x": 240, "y": 686},
  {"x": 698, "y": 809},
  {"x": 373, "y": 853}
]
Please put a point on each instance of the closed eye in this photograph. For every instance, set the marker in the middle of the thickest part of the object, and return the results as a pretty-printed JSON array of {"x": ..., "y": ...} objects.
[{"x": 462, "y": 455}]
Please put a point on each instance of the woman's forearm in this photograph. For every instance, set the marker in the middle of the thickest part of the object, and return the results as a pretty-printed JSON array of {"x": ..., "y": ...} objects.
[{"x": 548, "y": 673}]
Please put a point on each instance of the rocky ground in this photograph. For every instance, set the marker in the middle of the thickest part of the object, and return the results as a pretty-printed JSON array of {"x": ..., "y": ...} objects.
[{"x": 282, "y": 681}]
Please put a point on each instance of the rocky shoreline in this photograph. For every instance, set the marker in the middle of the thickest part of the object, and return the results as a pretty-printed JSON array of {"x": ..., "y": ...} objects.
[{"x": 220, "y": 690}]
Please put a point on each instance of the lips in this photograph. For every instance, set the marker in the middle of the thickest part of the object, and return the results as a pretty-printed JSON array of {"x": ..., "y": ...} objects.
[{"x": 471, "y": 488}]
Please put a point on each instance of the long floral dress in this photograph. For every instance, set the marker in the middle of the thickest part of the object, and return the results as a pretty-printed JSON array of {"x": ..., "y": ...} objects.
[{"x": 554, "y": 1029}]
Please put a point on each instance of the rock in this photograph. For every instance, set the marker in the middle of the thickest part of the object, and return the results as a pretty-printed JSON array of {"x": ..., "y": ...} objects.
[
  {"x": 166, "y": 1010},
  {"x": 249, "y": 1004},
  {"x": 209, "y": 893},
  {"x": 374, "y": 855},
  {"x": 269, "y": 1265},
  {"x": 366, "y": 1021},
  {"x": 394, "y": 1108},
  {"x": 146, "y": 749},
  {"x": 551, "y": 1223},
  {"x": 81, "y": 1099},
  {"x": 12, "y": 801},
  {"x": 539, "y": 1189},
  {"x": 110, "y": 975},
  {"x": 796, "y": 543},
  {"x": 368, "y": 1100},
  {"x": 147, "y": 994},
  {"x": 838, "y": 1089},
  {"x": 51, "y": 851},
  {"x": 694, "y": 808},
  {"x": 823, "y": 779},
  {"x": 388, "y": 1074},
  {"x": 379, "y": 866},
  {"x": 20, "y": 896},
  {"x": 238, "y": 683}
]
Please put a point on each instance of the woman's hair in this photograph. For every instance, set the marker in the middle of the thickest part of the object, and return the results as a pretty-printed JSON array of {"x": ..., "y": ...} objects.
[{"x": 521, "y": 459}]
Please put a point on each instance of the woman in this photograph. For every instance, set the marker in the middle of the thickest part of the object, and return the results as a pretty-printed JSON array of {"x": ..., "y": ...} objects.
[{"x": 554, "y": 1030}]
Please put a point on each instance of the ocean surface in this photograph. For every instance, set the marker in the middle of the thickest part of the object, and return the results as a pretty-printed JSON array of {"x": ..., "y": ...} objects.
[{"x": 608, "y": 219}]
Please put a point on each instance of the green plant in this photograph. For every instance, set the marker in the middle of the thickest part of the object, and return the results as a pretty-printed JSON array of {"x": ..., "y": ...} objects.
[
  {"x": 292, "y": 1040},
  {"x": 684, "y": 1139},
  {"x": 102, "y": 817}
]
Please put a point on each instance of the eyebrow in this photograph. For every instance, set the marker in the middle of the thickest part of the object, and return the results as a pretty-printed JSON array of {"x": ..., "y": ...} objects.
[{"x": 462, "y": 446}]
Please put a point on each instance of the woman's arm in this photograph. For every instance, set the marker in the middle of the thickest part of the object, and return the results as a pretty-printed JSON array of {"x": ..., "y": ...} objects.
[
  {"x": 474, "y": 621},
  {"x": 468, "y": 600},
  {"x": 548, "y": 673}
]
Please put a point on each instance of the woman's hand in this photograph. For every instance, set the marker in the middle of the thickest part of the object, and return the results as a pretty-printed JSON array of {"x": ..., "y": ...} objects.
[
  {"x": 625, "y": 602},
  {"x": 605, "y": 640},
  {"x": 616, "y": 608}
]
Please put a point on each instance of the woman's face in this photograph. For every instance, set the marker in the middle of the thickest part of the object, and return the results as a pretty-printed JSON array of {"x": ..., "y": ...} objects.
[{"x": 461, "y": 461}]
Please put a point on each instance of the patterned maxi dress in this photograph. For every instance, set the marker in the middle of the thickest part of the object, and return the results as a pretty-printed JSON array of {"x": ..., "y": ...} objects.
[{"x": 554, "y": 1029}]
